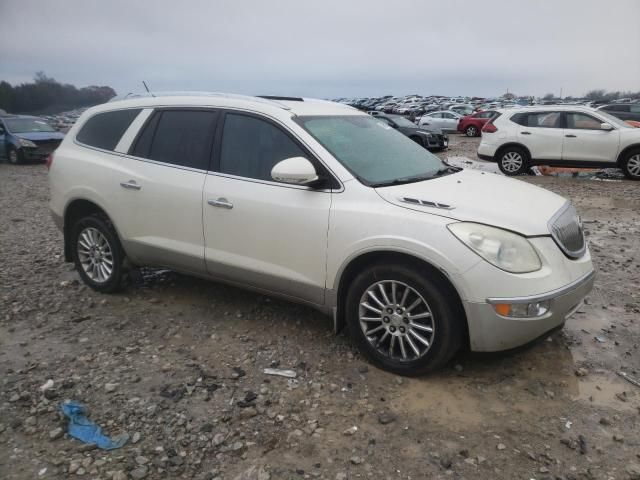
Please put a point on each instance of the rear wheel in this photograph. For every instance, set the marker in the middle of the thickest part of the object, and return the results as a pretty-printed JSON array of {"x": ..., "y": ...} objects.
[
  {"x": 471, "y": 131},
  {"x": 97, "y": 253},
  {"x": 513, "y": 161},
  {"x": 403, "y": 321},
  {"x": 631, "y": 165}
]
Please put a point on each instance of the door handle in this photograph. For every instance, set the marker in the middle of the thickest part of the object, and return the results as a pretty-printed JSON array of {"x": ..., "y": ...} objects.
[
  {"x": 525, "y": 133},
  {"x": 130, "y": 185},
  {"x": 221, "y": 203},
  {"x": 570, "y": 136}
]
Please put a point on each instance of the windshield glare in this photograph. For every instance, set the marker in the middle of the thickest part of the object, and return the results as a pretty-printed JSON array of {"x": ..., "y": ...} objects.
[
  {"x": 27, "y": 125},
  {"x": 374, "y": 152}
]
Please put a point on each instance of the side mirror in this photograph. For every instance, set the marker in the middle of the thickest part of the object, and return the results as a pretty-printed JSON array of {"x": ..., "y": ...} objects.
[
  {"x": 295, "y": 171},
  {"x": 606, "y": 126}
]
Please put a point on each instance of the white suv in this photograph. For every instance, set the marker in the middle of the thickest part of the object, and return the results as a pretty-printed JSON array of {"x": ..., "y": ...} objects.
[
  {"x": 321, "y": 204},
  {"x": 569, "y": 136}
]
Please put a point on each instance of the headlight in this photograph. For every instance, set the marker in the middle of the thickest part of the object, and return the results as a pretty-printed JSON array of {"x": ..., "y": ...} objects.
[
  {"x": 26, "y": 143},
  {"x": 506, "y": 250},
  {"x": 428, "y": 134}
]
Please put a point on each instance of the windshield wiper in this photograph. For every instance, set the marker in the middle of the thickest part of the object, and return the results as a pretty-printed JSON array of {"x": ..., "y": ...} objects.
[{"x": 417, "y": 178}]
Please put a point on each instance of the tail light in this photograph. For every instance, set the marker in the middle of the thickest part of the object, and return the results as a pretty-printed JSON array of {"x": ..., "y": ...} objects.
[
  {"x": 49, "y": 161},
  {"x": 489, "y": 128}
]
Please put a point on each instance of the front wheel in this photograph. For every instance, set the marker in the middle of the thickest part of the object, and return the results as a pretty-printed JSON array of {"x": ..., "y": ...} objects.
[
  {"x": 403, "y": 321},
  {"x": 15, "y": 156},
  {"x": 631, "y": 165},
  {"x": 513, "y": 161},
  {"x": 97, "y": 254}
]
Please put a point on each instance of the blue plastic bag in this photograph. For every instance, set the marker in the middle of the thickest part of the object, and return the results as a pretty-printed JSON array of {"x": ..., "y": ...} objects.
[{"x": 85, "y": 430}]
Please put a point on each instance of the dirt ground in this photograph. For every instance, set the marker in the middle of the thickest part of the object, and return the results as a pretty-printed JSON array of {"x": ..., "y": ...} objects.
[{"x": 177, "y": 363}]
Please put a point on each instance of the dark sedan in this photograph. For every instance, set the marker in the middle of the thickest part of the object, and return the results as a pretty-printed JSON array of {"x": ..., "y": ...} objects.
[
  {"x": 433, "y": 140},
  {"x": 624, "y": 111},
  {"x": 24, "y": 138}
]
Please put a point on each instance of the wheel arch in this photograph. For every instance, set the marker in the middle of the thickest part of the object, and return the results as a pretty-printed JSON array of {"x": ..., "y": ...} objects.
[
  {"x": 75, "y": 209},
  {"x": 511, "y": 144},
  {"x": 623, "y": 153},
  {"x": 358, "y": 263}
]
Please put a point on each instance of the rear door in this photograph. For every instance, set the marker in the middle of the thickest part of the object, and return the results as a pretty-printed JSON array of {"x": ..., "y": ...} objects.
[
  {"x": 159, "y": 188},
  {"x": 259, "y": 232},
  {"x": 585, "y": 141},
  {"x": 541, "y": 133}
]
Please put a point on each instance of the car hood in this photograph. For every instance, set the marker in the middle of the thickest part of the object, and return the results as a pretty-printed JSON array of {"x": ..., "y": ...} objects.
[
  {"x": 480, "y": 197},
  {"x": 40, "y": 135}
]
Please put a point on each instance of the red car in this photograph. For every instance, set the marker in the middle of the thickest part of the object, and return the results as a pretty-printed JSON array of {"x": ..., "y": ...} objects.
[{"x": 471, "y": 125}]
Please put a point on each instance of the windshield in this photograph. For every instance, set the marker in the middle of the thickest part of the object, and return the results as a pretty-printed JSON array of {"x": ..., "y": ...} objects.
[
  {"x": 27, "y": 125},
  {"x": 373, "y": 151},
  {"x": 614, "y": 120},
  {"x": 401, "y": 121}
]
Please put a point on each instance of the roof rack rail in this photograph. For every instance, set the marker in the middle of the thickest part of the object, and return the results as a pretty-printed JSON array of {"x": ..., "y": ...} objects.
[
  {"x": 263, "y": 99},
  {"x": 278, "y": 97}
]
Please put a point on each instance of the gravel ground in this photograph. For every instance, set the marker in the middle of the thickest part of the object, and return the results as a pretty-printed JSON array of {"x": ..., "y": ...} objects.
[{"x": 177, "y": 363}]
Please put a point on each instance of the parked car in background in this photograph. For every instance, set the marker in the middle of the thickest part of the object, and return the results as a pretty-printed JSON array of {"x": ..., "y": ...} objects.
[
  {"x": 24, "y": 138},
  {"x": 446, "y": 120},
  {"x": 326, "y": 206},
  {"x": 471, "y": 125},
  {"x": 431, "y": 139},
  {"x": 571, "y": 136},
  {"x": 462, "y": 109},
  {"x": 624, "y": 111}
]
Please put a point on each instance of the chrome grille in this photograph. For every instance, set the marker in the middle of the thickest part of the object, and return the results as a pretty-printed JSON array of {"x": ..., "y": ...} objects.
[{"x": 566, "y": 230}]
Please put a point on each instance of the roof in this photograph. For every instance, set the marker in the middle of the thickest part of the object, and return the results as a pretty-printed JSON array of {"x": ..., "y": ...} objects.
[
  {"x": 274, "y": 105},
  {"x": 546, "y": 108}
]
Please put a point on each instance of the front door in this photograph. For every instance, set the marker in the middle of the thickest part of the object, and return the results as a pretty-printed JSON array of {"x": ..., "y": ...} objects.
[
  {"x": 584, "y": 139},
  {"x": 258, "y": 232}
]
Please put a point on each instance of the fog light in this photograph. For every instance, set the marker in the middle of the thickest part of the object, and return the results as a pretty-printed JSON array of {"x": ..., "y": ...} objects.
[{"x": 522, "y": 310}]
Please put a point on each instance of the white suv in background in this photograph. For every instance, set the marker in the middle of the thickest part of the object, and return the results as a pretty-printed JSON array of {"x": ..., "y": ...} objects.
[
  {"x": 321, "y": 204},
  {"x": 568, "y": 136}
]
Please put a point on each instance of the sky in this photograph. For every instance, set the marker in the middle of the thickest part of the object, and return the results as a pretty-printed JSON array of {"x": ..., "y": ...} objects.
[{"x": 326, "y": 48}]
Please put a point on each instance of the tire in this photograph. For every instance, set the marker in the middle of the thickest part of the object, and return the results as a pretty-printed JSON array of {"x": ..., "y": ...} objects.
[
  {"x": 513, "y": 161},
  {"x": 14, "y": 156},
  {"x": 94, "y": 242},
  {"x": 471, "y": 131},
  {"x": 437, "y": 311},
  {"x": 630, "y": 164}
]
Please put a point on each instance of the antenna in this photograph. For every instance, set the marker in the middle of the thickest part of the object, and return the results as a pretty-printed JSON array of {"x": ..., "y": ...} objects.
[{"x": 147, "y": 88}]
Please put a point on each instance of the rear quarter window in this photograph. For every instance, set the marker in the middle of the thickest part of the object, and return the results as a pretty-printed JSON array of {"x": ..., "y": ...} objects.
[{"x": 104, "y": 130}]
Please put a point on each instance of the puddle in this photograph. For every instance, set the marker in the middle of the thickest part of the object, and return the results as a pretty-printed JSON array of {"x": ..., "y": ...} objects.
[{"x": 601, "y": 390}]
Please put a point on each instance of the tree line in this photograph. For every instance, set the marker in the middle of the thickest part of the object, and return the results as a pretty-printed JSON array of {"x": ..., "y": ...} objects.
[
  {"x": 600, "y": 94},
  {"x": 46, "y": 95}
]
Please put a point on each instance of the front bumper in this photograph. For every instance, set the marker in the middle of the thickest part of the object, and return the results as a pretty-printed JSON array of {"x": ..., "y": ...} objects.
[
  {"x": 437, "y": 141},
  {"x": 491, "y": 332}
]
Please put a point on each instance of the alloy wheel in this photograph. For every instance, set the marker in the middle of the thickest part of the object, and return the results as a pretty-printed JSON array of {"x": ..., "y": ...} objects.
[
  {"x": 95, "y": 255},
  {"x": 396, "y": 320},
  {"x": 471, "y": 131},
  {"x": 633, "y": 165},
  {"x": 512, "y": 162}
]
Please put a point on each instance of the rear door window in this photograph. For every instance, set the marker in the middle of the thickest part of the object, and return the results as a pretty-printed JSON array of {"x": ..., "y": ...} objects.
[
  {"x": 538, "y": 120},
  {"x": 104, "y": 130},
  {"x": 178, "y": 137}
]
